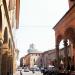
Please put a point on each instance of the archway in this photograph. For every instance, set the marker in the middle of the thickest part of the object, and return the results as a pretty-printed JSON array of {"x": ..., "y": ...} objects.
[
  {"x": 62, "y": 53},
  {"x": 58, "y": 40},
  {"x": 70, "y": 34}
]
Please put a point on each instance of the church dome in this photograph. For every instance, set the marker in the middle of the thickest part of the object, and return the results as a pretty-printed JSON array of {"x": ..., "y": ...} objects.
[{"x": 32, "y": 49}]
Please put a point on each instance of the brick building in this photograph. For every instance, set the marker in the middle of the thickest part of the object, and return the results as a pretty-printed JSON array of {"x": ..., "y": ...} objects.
[
  {"x": 44, "y": 59},
  {"x": 49, "y": 57},
  {"x": 65, "y": 30},
  {"x": 32, "y": 59}
]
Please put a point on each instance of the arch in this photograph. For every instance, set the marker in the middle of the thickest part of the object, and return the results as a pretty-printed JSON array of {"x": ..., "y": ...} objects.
[
  {"x": 70, "y": 34},
  {"x": 5, "y": 35},
  {"x": 0, "y": 19}
]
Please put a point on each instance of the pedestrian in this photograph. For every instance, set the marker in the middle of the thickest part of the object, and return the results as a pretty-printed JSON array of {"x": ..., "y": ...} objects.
[
  {"x": 33, "y": 70},
  {"x": 20, "y": 72},
  {"x": 7, "y": 73}
]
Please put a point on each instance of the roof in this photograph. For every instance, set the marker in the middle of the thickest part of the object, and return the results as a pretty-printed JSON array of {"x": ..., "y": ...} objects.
[{"x": 31, "y": 53}]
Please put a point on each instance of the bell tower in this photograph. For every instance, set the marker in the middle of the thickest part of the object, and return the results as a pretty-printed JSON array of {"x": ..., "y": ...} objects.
[{"x": 71, "y": 3}]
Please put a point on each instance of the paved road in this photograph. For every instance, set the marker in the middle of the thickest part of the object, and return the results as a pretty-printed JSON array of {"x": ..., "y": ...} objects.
[{"x": 28, "y": 73}]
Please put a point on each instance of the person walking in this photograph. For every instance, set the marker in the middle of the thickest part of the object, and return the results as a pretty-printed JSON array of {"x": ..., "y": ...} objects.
[
  {"x": 20, "y": 72},
  {"x": 33, "y": 70}
]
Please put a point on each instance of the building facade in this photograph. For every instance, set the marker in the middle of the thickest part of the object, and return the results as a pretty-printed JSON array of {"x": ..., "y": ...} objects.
[
  {"x": 65, "y": 31},
  {"x": 9, "y": 20},
  {"x": 49, "y": 57},
  {"x": 44, "y": 59},
  {"x": 33, "y": 59}
]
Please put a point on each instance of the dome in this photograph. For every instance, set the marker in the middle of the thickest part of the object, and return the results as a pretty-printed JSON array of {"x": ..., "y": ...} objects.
[{"x": 32, "y": 49}]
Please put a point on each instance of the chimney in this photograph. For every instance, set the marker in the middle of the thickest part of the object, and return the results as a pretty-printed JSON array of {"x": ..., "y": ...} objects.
[{"x": 71, "y": 3}]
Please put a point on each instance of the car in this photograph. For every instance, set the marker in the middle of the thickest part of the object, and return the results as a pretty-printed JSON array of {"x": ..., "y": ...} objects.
[
  {"x": 45, "y": 71},
  {"x": 31, "y": 69},
  {"x": 52, "y": 70},
  {"x": 19, "y": 69},
  {"x": 42, "y": 69},
  {"x": 37, "y": 69},
  {"x": 26, "y": 69}
]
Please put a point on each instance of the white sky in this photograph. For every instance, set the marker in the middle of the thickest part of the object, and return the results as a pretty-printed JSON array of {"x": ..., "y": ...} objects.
[{"x": 37, "y": 18}]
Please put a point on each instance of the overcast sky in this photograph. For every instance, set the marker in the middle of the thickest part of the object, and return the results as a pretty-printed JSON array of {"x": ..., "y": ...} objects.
[{"x": 37, "y": 18}]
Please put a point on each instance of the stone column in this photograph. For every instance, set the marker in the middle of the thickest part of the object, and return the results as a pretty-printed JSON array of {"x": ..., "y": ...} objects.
[
  {"x": 4, "y": 68},
  {"x": 57, "y": 55},
  {"x": 11, "y": 65},
  {"x": 1, "y": 43},
  {"x": 66, "y": 54}
]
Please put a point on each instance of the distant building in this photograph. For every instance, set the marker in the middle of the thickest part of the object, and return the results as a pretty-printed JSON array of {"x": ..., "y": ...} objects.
[
  {"x": 33, "y": 57},
  {"x": 49, "y": 57},
  {"x": 43, "y": 59}
]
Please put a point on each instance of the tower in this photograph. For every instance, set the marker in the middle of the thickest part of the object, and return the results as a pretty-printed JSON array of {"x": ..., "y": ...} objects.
[{"x": 71, "y": 3}]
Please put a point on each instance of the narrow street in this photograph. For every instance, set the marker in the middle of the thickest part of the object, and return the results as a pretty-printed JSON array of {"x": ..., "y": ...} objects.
[
  {"x": 37, "y": 35},
  {"x": 28, "y": 73}
]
